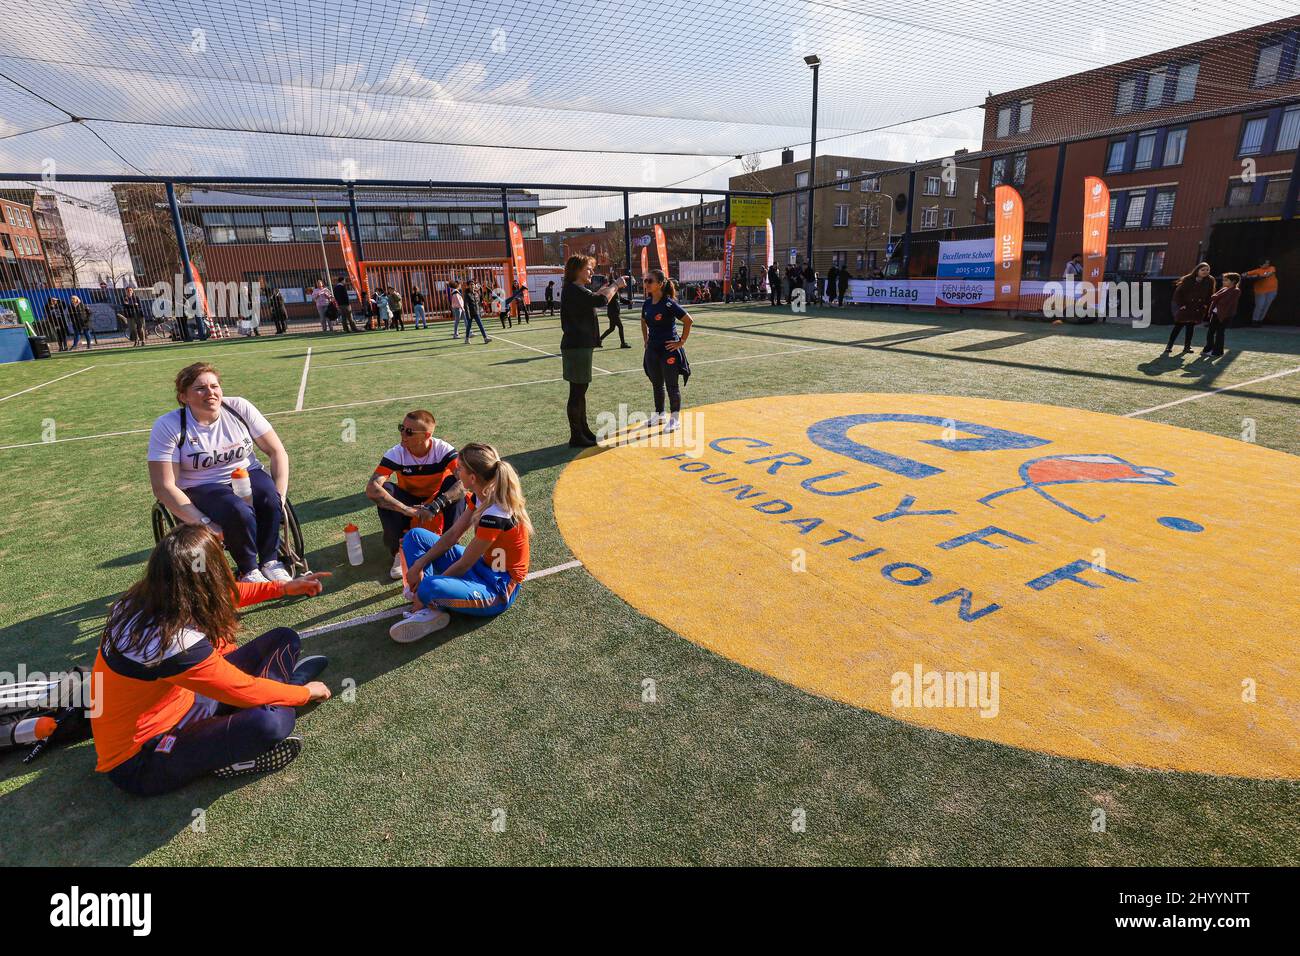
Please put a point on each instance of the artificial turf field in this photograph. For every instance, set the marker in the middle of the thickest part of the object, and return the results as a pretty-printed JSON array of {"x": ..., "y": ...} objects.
[{"x": 539, "y": 712}]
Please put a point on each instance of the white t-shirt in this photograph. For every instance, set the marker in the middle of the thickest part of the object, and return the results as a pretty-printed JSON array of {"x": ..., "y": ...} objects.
[{"x": 209, "y": 453}]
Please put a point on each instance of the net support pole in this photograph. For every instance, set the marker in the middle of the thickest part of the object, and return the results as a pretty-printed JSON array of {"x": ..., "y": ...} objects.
[
  {"x": 627, "y": 240},
  {"x": 1054, "y": 217},
  {"x": 907, "y": 227},
  {"x": 184, "y": 250},
  {"x": 508, "y": 272},
  {"x": 356, "y": 224},
  {"x": 1292, "y": 190},
  {"x": 812, "y": 161},
  {"x": 726, "y": 224}
]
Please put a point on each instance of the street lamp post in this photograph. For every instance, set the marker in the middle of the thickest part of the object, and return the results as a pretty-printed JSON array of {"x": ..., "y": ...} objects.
[{"x": 814, "y": 62}]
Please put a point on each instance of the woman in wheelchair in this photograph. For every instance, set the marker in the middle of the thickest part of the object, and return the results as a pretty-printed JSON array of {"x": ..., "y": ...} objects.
[{"x": 194, "y": 449}]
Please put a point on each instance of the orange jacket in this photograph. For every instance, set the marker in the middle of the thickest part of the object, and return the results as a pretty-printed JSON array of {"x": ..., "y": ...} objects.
[
  {"x": 1265, "y": 278},
  {"x": 136, "y": 701}
]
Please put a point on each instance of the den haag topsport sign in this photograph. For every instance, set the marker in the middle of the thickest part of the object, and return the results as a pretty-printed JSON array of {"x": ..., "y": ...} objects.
[
  {"x": 965, "y": 277},
  {"x": 1110, "y": 574}
]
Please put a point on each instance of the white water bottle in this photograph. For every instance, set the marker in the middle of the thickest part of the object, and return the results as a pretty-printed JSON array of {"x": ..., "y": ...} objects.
[
  {"x": 353, "y": 538},
  {"x": 242, "y": 484},
  {"x": 29, "y": 731}
]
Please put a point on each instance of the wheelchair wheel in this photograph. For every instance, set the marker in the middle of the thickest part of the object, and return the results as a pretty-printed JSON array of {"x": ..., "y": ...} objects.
[
  {"x": 292, "y": 550},
  {"x": 163, "y": 521}
]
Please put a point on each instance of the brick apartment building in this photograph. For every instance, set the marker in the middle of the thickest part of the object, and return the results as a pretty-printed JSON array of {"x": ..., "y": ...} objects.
[
  {"x": 1193, "y": 142},
  {"x": 22, "y": 256},
  {"x": 53, "y": 235},
  {"x": 854, "y": 221}
]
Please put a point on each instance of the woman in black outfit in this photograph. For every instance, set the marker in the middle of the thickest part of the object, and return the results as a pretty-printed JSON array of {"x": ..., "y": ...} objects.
[
  {"x": 581, "y": 328},
  {"x": 550, "y": 298},
  {"x": 615, "y": 322},
  {"x": 1191, "y": 304}
]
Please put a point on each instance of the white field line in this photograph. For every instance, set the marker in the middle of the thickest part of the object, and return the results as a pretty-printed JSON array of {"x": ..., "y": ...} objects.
[
  {"x": 302, "y": 386},
  {"x": 50, "y": 382},
  {"x": 543, "y": 351},
  {"x": 1216, "y": 391},
  {"x": 397, "y": 611}
]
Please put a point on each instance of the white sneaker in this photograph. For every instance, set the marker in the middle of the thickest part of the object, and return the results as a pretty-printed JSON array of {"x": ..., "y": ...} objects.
[
  {"x": 672, "y": 424},
  {"x": 255, "y": 576},
  {"x": 395, "y": 572},
  {"x": 655, "y": 419},
  {"x": 420, "y": 624},
  {"x": 275, "y": 571}
]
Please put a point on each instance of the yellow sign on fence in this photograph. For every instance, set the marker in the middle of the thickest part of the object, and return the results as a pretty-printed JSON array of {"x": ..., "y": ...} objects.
[{"x": 750, "y": 210}]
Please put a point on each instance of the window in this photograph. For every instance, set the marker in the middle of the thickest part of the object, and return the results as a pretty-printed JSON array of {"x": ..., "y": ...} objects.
[
  {"x": 1252, "y": 135},
  {"x": 1185, "y": 89},
  {"x": 841, "y": 215},
  {"x": 1269, "y": 63},
  {"x": 1004, "y": 121},
  {"x": 1155, "y": 92},
  {"x": 249, "y": 228},
  {"x": 1026, "y": 116},
  {"x": 304, "y": 227},
  {"x": 1155, "y": 262},
  {"x": 1275, "y": 189},
  {"x": 1015, "y": 117},
  {"x": 1126, "y": 261},
  {"x": 1175, "y": 146},
  {"x": 930, "y": 217},
  {"x": 1288, "y": 134},
  {"x": 1162, "y": 212},
  {"x": 842, "y": 174},
  {"x": 367, "y": 226},
  {"x": 1021, "y": 168},
  {"x": 800, "y": 180},
  {"x": 1240, "y": 194},
  {"x": 870, "y": 216},
  {"x": 411, "y": 224},
  {"x": 1145, "y": 152},
  {"x": 219, "y": 227},
  {"x": 949, "y": 217},
  {"x": 1125, "y": 91},
  {"x": 952, "y": 186},
  {"x": 436, "y": 225},
  {"x": 999, "y": 174},
  {"x": 1115, "y": 158},
  {"x": 931, "y": 185},
  {"x": 279, "y": 228},
  {"x": 871, "y": 184},
  {"x": 1137, "y": 204},
  {"x": 1114, "y": 208},
  {"x": 386, "y": 224}
]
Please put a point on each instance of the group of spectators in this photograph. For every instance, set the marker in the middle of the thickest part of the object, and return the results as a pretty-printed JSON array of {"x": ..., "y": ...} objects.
[{"x": 829, "y": 289}]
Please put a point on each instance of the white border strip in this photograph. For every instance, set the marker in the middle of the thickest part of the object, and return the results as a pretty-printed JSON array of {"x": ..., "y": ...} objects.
[
  {"x": 384, "y": 615},
  {"x": 50, "y": 382},
  {"x": 1200, "y": 395},
  {"x": 302, "y": 386},
  {"x": 542, "y": 351}
]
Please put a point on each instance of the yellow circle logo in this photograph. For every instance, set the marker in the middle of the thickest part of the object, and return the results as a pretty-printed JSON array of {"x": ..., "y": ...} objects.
[{"x": 1054, "y": 579}]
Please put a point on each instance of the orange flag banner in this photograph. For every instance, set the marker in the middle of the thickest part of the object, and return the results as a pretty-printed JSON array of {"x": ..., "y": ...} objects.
[
  {"x": 520, "y": 263},
  {"x": 1008, "y": 248},
  {"x": 661, "y": 246},
  {"x": 1096, "y": 225},
  {"x": 729, "y": 244},
  {"x": 349, "y": 257},
  {"x": 645, "y": 261}
]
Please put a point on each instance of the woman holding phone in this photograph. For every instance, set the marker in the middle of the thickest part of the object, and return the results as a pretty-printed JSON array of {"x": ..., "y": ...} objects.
[{"x": 581, "y": 327}]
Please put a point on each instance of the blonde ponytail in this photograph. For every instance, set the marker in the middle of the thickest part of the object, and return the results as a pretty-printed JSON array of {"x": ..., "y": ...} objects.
[{"x": 501, "y": 482}]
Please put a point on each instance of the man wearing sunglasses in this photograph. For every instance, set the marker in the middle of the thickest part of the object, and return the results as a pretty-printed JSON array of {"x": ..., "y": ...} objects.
[{"x": 424, "y": 492}]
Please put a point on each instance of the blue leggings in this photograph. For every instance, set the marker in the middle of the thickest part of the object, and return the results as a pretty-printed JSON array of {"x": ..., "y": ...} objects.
[
  {"x": 252, "y": 531},
  {"x": 470, "y": 318},
  {"x": 481, "y": 591},
  {"x": 213, "y": 735}
]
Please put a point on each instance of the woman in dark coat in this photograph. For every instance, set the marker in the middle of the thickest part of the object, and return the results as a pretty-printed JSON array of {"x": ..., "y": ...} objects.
[
  {"x": 1191, "y": 305},
  {"x": 581, "y": 328},
  {"x": 279, "y": 315}
]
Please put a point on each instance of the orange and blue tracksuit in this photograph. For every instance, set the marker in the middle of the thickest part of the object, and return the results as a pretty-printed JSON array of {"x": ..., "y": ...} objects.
[
  {"x": 664, "y": 366},
  {"x": 163, "y": 722},
  {"x": 483, "y": 590},
  {"x": 417, "y": 481}
]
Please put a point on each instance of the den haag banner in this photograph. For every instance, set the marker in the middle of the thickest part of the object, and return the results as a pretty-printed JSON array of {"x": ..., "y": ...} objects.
[
  {"x": 1096, "y": 224},
  {"x": 520, "y": 263},
  {"x": 729, "y": 243},
  {"x": 1009, "y": 236},
  {"x": 349, "y": 258},
  {"x": 661, "y": 247}
]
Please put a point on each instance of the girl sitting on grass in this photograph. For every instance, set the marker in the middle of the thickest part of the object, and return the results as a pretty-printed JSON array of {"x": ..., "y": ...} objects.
[
  {"x": 482, "y": 578},
  {"x": 176, "y": 699}
]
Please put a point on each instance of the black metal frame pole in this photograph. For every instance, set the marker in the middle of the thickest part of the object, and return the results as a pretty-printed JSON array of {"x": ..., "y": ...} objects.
[
  {"x": 907, "y": 230},
  {"x": 627, "y": 242},
  {"x": 731, "y": 267},
  {"x": 812, "y": 164},
  {"x": 182, "y": 321},
  {"x": 1054, "y": 216},
  {"x": 356, "y": 225},
  {"x": 510, "y": 249}
]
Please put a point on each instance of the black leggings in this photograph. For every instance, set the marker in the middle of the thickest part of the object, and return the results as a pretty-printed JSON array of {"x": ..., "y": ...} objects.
[
  {"x": 577, "y": 409},
  {"x": 663, "y": 377},
  {"x": 1187, "y": 330}
]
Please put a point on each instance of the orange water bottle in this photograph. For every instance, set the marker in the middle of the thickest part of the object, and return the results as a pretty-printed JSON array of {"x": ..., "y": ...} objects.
[{"x": 242, "y": 484}]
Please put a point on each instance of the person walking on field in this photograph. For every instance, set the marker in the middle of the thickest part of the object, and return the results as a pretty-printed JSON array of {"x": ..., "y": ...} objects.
[
  {"x": 395, "y": 304},
  {"x": 1191, "y": 305},
  {"x": 774, "y": 284},
  {"x": 550, "y": 297},
  {"x": 343, "y": 302},
  {"x": 320, "y": 297},
  {"x": 581, "y": 330},
  {"x": 133, "y": 313},
  {"x": 832, "y": 283},
  {"x": 417, "y": 308},
  {"x": 457, "y": 301},
  {"x": 472, "y": 314},
  {"x": 615, "y": 322},
  {"x": 1264, "y": 285},
  {"x": 80, "y": 316},
  {"x": 279, "y": 316},
  {"x": 56, "y": 310},
  {"x": 843, "y": 284},
  {"x": 1223, "y": 308}
]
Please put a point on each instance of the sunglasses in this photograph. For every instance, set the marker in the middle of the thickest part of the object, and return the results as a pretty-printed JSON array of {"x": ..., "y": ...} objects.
[{"x": 410, "y": 432}]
